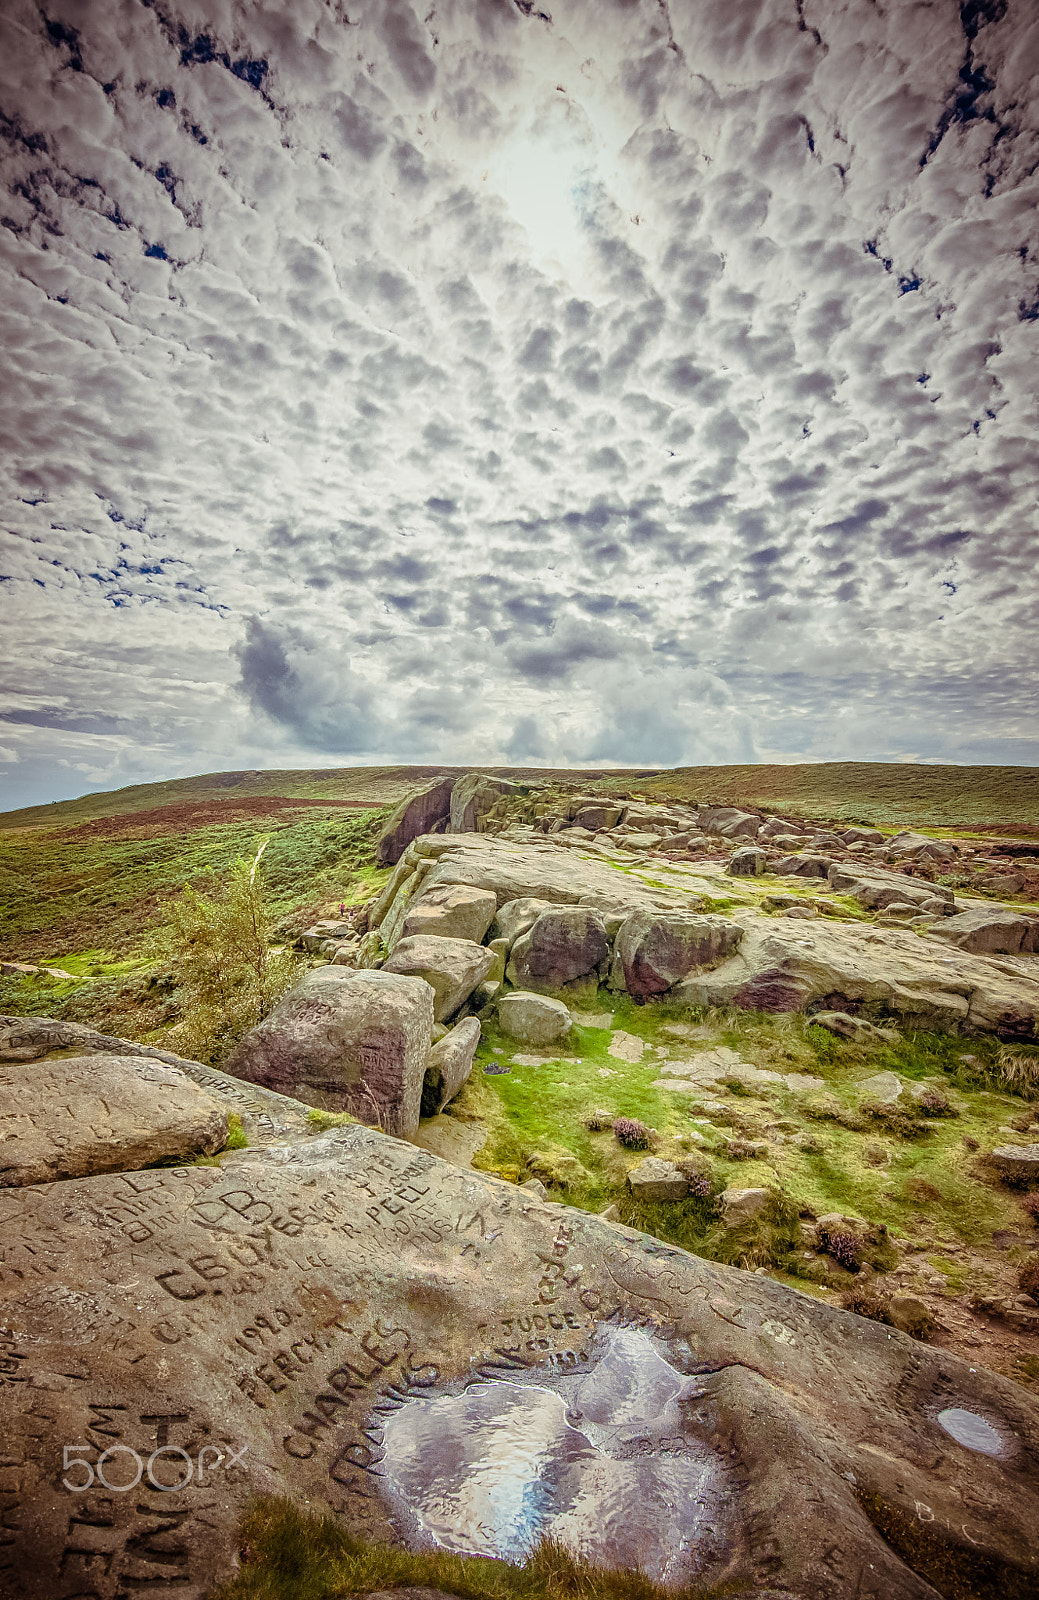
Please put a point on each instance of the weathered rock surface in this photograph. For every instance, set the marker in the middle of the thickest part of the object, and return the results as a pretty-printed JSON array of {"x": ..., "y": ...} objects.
[
  {"x": 265, "y": 1116},
  {"x": 346, "y": 1041},
  {"x": 453, "y": 968},
  {"x": 728, "y": 822},
  {"x": 473, "y": 796},
  {"x": 533, "y": 1018},
  {"x": 856, "y": 1029},
  {"x": 417, "y": 814},
  {"x": 1019, "y": 1163},
  {"x": 515, "y": 871},
  {"x": 654, "y": 1179},
  {"x": 742, "y": 1205},
  {"x": 517, "y": 917},
  {"x": 991, "y": 930},
  {"x": 312, "y": 1315},
  {"x": 452, "y": 911},
  {"x": 876, "y": 888},
  {"x": 598, "y": 816},
  {"x": 561, "y": 947},
  {"x": 656, "y": 949},
  {"x": 100, "y": 1113},
  {"x": 747, "y": 862},
  {"x": 803, "y": 866},
  {"x": 878, "y": 972},
  {"x": 449, "y": 1064}
]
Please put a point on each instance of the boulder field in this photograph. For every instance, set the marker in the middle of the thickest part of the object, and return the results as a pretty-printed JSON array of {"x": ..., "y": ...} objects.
[
  {"x": 346, "y": 1318},
  {"x": 566, "y": 918},
  {"x": 353, "y": 1322}
]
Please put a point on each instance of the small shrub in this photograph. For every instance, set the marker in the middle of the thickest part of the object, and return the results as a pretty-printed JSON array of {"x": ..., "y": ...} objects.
[
  {"x": 843, "y": 1245},
  {"x": 896, "y": 1121},
  {"x": 1030, "y": 1206},
  {"x": 922, "y": 1192},
  {"x": 875, "y": 1155},
  {"x": 1028, "y": 1278},
  {"x": 700, "y": 1186},
  {"x": 229, "y": 977},
  {"x": 970, "y": 1143},
  {"x": 865, "y": 1302},
  {"x": 631, "y": 1133},
  {"x": 599, "y": 1121},
  {"x": 740, "y": 1150},
  {"x": 933, "y": 1103}
]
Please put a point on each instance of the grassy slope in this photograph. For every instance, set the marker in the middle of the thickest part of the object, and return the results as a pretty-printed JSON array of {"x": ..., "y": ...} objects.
[
  {"x": 378, "y": 786},
  {"x": 887, "y": 794}
]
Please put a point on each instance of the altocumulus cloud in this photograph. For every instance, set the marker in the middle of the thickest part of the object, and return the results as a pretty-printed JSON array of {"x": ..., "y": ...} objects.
[{"x": 602, "y": 381}]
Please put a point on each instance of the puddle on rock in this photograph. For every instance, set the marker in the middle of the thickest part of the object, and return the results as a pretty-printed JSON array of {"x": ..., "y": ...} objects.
[
  {"x": 604, "y": 1465},
  {"x": 972, "y": 1431}
]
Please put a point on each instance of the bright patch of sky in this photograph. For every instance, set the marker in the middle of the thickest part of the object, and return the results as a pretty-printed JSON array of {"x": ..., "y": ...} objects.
[{"x": 464, "y": 383}]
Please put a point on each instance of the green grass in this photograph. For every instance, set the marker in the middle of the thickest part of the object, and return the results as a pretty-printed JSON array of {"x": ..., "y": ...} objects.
[
  {"x": 878, "y": 794},
  {"x": 535, "y": 1117},
  {"x": 291, "y": 1555},
  {"x": 75, "y": 897}
]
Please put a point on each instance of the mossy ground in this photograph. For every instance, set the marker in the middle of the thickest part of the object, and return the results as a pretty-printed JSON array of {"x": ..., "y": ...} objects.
[{"x": 923, "y": 1184}]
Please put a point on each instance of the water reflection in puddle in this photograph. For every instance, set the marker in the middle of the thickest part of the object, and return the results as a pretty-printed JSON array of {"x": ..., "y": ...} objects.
[
  {"x": 967, "y": 1428},
  {"x": 492, "y": 1470}
]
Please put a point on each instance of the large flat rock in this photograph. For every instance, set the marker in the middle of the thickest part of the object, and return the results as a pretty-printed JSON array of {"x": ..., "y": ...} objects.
[
  {"x": 265, "y": 1115},
  {"x": 885, "y": 971},
  {"x": 515, "y": 871},
  {"x": 82, "y": 1115},
  {"x": 312, "y": 1322}
]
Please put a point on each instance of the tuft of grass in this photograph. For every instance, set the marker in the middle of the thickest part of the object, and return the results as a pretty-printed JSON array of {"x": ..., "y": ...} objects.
[
  {"x": 290, "y": 1554},
  {"x": 323, "y": 1120},
  {"x": 236, "y": 1139}
]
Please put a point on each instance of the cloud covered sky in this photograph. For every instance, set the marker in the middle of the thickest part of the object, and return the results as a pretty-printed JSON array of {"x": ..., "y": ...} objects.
[{"x": 477, "y": 381}]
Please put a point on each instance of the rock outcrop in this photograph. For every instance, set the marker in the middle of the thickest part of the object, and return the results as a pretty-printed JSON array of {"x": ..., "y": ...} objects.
[
  {"x": 533, "y": 1018},
  {"x": 991, "y": 930},
  {"x": 82, "y": 1115},
  {"x": 452, "y": 968},
  {"x": 448, "y": 1065},
  {"x": 657, "y": 949},
  {"x": 452, "y": 911},
  {"x": 417, "y": 814},
  {"x": 310, "y": 1321},
  {"x": 883, "y": 973},
  {"x": 562, "y": 947},
  {"x": 473, "y": 796},
  {"x": 346, "y": 1041}
]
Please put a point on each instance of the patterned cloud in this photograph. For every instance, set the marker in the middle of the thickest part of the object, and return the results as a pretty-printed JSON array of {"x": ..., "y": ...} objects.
[{"x": 599, "y": 382}]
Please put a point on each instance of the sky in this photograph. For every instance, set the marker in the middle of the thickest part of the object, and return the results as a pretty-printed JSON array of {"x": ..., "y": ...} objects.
[{"x": 601, "y": 382}]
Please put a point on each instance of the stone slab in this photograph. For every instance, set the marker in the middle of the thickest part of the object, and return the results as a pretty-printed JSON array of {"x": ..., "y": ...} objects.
[{"x": 269, "y": 1324}]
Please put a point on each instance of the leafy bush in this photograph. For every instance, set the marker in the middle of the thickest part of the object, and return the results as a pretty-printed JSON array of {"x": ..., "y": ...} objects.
[
  {"x": 631, "y": 1133},
  {"x": 1030, "y": 1206},
  {"x": 236, "y": 1137},
  {"x": 228, "y": 977}
]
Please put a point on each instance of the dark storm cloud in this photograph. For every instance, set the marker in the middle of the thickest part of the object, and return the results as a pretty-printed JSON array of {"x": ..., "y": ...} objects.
[{"x": 462, "y": 383}]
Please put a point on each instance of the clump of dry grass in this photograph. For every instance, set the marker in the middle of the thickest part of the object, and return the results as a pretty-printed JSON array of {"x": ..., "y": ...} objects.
[{"x": 287, "y": 1554}]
